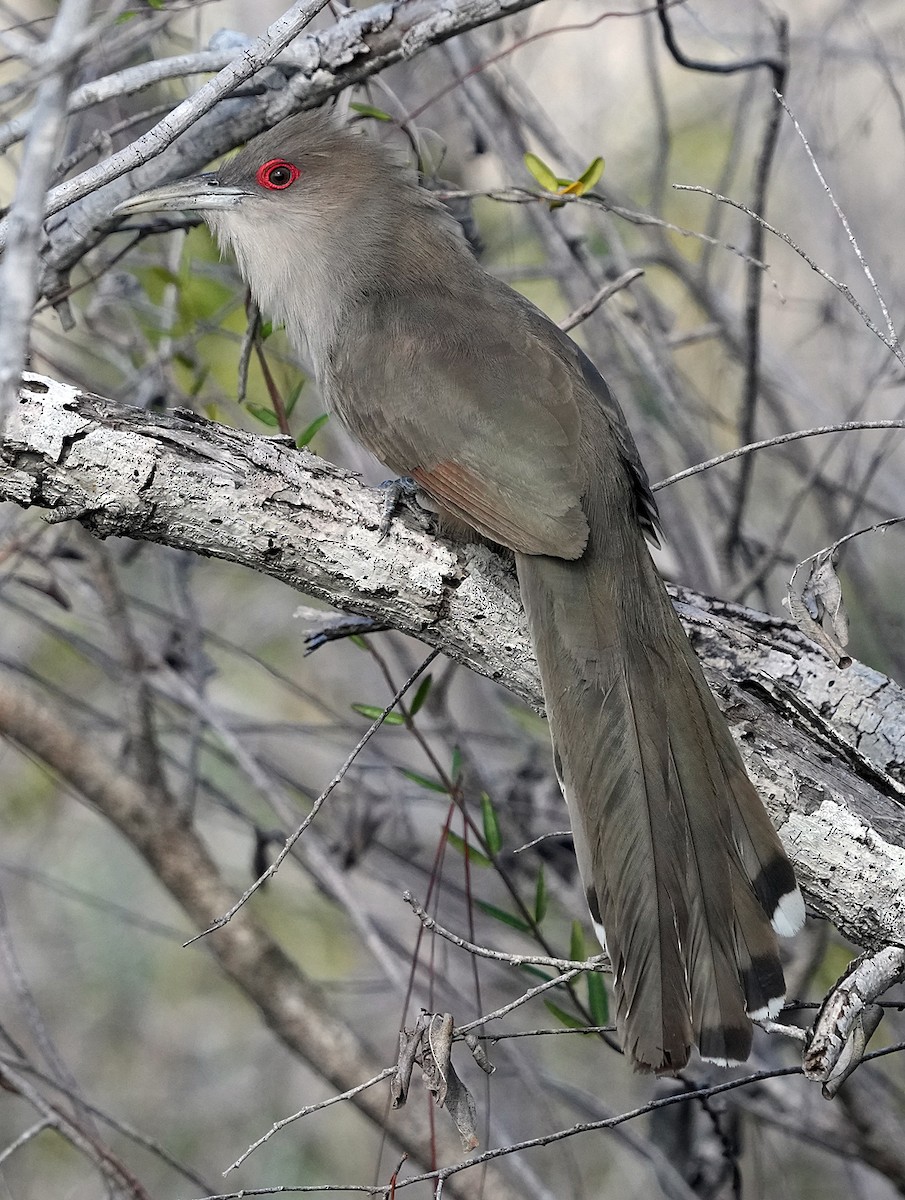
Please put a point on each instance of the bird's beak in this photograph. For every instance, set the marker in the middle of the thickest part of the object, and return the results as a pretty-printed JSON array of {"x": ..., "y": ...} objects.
[{"x": 200, "y": 193}]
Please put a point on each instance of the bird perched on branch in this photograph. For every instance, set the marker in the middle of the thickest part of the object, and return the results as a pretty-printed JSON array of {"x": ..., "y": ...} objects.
[{"x": 453, "y": 379}]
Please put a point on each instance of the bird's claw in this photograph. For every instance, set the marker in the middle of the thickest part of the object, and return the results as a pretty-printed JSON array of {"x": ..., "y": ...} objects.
[{"x": 396, "y": 493}]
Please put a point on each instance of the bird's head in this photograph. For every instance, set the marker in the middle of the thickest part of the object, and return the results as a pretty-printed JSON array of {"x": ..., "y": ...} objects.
[
  {"x": 304, "y": 207},
  {"x": 306, "y": 168}
]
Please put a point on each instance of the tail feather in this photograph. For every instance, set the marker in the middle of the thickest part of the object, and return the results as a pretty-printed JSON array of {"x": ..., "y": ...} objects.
[{"x": 679, "y": 860}]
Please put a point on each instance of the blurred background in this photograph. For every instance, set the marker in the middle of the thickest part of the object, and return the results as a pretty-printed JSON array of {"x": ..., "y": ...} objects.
[{"x": 250, "y": 728}]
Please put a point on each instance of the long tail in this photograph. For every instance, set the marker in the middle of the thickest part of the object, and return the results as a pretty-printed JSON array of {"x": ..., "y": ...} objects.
[{"x": 681, "y": 866}]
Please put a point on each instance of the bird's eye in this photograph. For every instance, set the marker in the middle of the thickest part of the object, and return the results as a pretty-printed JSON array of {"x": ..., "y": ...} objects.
[{"x": 277, "y": 174}]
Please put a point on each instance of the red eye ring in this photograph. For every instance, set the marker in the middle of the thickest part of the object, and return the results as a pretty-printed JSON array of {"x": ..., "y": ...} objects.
[{"x": 277, "y": 174}]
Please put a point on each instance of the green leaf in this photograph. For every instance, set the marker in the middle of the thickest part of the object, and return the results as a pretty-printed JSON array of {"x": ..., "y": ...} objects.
[
  {"x": 307, "y": 434},
  {"x": 474, "y": 856},
  {"x": 368, "y": 110},
  {"x": 590, "y": 176},
  {"x": 431, "y": 785},
  {"x": 500, "y": 914},
  {"x": 576, "y": 943},
  {"x": 563, "y": 1017},
  {"x": 265, "y": 330},
  {"x": 357, "y": 640},
  {"x": 540, "y": 897},
  {"x": 292, "y": 398},
  {"x": 529, "y": 969},
  {"x": 372, "y": 712},
  {"x": 598, "y": 1002},
  {"x": 265, "y": 415},
  {"x": 455, "y": 769},
  {"x": 163, "y": 275},
  {"x": 541, "y": 172},
  {"x": 421, "y": 695},
  {"x": 492, "y": 834}
]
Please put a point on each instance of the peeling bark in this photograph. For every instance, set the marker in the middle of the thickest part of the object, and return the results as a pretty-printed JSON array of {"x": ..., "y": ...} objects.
[{"x": 823, "y": 746}]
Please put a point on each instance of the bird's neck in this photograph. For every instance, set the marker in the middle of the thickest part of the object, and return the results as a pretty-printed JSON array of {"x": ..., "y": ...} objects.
[{"x": 319, "y": 269}]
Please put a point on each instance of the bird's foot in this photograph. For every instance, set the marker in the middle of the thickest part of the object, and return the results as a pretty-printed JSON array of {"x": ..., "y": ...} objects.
[{"x": 398, "y": 494}]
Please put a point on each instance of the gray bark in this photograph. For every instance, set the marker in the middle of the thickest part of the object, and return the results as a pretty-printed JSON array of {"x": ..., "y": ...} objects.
[{"x": 824, "y": 746}]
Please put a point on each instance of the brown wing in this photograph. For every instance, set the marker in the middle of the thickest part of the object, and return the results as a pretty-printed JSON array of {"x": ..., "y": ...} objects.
[{"x": 481, "y": 408}]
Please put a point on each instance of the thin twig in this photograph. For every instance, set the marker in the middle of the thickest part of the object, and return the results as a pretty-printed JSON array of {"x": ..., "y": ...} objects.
[
  {"x": 780, "y": 440},
  {"x": 600, "y": 297},
  {"x": 318, "y": 803},
  {"x": 842, "y": 288},
  {"x": 514, "y": 960},
  {"x": 893, "y": 334},
  {"x": 307, "y": 1110}
]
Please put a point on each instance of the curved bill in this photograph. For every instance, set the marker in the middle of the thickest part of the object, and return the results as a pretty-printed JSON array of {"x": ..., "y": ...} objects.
[{"x": 202, "y": 192}]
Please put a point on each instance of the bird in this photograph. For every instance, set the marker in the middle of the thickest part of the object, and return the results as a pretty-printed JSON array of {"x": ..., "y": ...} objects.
[{"x": 456, "y": 381}]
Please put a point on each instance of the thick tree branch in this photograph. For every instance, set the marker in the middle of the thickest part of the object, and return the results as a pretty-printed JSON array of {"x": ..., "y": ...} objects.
[
  {"x": 822, "y": 745},
  {"x": 293, "y": 1006}
]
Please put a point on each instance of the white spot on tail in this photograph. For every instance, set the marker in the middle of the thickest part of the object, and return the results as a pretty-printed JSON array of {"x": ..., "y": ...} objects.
[
  {"x": 722, "y": 1062},
  {"x": 601, "y": 935},
  {"x": 788, "y": 916},
  {"x": 770, "y": 1010}
]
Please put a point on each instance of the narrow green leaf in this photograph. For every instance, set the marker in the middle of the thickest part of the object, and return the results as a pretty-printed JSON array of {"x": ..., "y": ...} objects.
[
  {"x": 540, "y": 897},
  {"x": 372, "y": 712},
  {"x": 432, "y": 785},
  {"x": 307, "y": 434},
  {"x": 590, "y": 176},
  {"x": 500, "y": 914},
  {"x": 541, "y": 172},
  {"x": 164, "y": 275},
  {"x": 563, "y": 1017},
  {"x": 421, "y": 694},
  {"x": 576, "y": 943},
  {"x": 265, "y": 415},
  {"x": 455, "y": 769},
  {"x": 369, "y": 110},
  {"x": 492, "y": 835},
  {"x": 292, "y": 398},
  {"x": 598, "y": 1002},
  {"x": 474, "y": 856},
  {"x": 529, "y": 969},
  {"x": 357, "y": 640}
]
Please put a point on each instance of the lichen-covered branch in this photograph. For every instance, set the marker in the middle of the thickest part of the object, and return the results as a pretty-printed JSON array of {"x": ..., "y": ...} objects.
[{"x": 822, "y": 745}]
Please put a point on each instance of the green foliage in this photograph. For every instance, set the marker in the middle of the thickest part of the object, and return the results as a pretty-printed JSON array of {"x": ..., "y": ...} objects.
[
  {"x": 369, "y": 110},
  {"x": 265, "y": 415},
  {"x": 564, "y": 1018},
  {"x": 598, "y": 1002},
  {"x": 474, "y": 856},
  {"x": 372, "y": 712},
  {"x": 420, "y": 695},
  {"x": 424, "y": 781},
  {"x": 307, "y": 434},
  {"x": 550, "y": 182},
  {"x": 501, "y": 915},
  {"x": 492, "y": 835}
]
